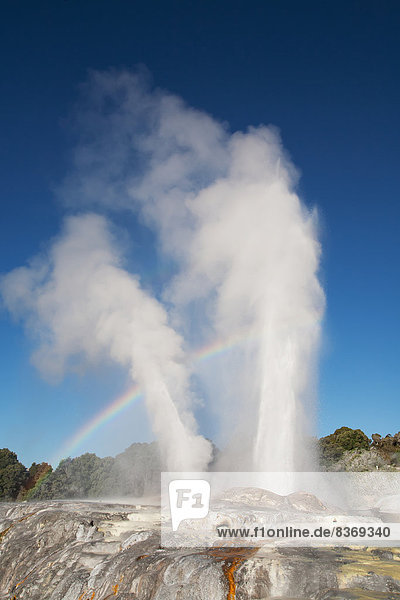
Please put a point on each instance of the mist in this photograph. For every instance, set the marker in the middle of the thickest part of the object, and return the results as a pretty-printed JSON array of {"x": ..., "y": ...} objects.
[
  {"x": 224, "y": 209},
  {"x": 80, "y": 305}
]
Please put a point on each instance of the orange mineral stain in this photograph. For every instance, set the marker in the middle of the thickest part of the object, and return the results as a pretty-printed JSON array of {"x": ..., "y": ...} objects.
[
  {"x": 232, "y": 558},
  {"x": 85, "y": 596},
  {"x": 21, "y": 582},
  {"x": 229, "y": 572},
  {"x": 4, "y": 532}
]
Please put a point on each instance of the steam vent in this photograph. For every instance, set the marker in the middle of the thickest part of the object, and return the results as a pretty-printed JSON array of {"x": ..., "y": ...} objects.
[{"x": 95, "y": 551}]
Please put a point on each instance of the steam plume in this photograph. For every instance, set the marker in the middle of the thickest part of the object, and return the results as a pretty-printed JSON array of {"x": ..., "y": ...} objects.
[
  {"x": 82, "y": 305},
  {"x": 246, "y": 249}
]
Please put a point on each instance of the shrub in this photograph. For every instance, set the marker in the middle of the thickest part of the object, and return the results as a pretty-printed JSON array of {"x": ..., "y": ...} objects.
[
  {"x": 13, "y": 475},
  {"x": 333, "y": 446}
]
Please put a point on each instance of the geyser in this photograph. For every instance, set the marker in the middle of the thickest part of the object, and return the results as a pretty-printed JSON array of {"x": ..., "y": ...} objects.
[
  {"x": 246, "y": 253},
  {"x": 85, "y": 306}
]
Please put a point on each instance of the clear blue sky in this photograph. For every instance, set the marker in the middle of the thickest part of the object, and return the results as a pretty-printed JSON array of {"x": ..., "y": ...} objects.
[{"x": 325, "y": 73}]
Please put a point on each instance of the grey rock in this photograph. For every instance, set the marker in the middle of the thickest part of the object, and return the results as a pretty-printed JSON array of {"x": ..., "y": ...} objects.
[{"x": 96, "y": 551}]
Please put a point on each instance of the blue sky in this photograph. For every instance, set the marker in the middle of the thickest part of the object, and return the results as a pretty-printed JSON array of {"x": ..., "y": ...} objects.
[{"x": 326, "y": 74}]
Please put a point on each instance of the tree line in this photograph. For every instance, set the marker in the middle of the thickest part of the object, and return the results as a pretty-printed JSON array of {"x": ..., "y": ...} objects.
[
  {"x": 136, "y": 471},
  {"x": 351, "y": 450}
]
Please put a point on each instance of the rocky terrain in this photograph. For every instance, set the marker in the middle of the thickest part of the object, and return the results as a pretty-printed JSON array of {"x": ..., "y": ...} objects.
[{"x": 96, "y": 551}]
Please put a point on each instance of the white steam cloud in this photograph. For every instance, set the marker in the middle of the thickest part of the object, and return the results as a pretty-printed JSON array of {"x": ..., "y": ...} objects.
[
  {"x": 82, "y": 304},
  {"x": 224, "y": 208}
]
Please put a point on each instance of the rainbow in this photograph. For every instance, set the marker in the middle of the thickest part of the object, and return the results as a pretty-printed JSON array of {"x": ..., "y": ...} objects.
[
  {"x": 134, "y": 394},
  {"x": 108, "y": 413}
]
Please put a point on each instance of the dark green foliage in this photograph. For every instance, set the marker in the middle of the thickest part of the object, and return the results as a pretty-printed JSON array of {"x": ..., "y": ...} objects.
[
  {"x": 101, "y": 477},
  {"x": 72, "y": 478},
  {"x": 13, "y": 475},
  {"x": 55, "y": 484},
  {"x": 37, "y": 474},
  {"x": 333, "y": 446},
  {"x": 134, "y": 472},
  {"x": 33, "y": 470}
]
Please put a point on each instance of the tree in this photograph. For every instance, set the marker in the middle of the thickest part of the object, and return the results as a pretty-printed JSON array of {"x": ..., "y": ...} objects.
[
  {"x": 13, "y": 475},
  {"x": 36, "y": 476},
  {"x": 134, "y": 472},
  {"x": 333, "y": 446}
]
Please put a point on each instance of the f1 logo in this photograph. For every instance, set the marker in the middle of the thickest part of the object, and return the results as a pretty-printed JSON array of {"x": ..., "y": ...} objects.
[{"x": 188, "y": 499}]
